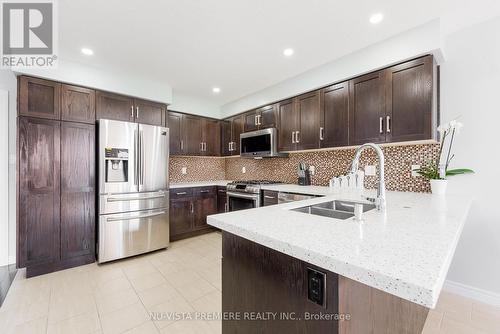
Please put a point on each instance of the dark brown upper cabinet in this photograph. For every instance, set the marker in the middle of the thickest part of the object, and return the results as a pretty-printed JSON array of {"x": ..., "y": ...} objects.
[
  {"x": 115, "y": 107},
  {"x": 307, "y": 133},
  {"x": 148, "y": 112},
  {"x": 78, "y": 104},
  {"x": 77, "y": 192},
  {"x": 261, "y": 118},
  {"x": 211, "y": 137},
  {"x": 334, "y": 118},
  {"x": 39, "y": 98},
  {"x": 367, "y": 109},
  {"x": 299, "y": 122},
  {"x": 175, "y": 133},
  {"x": 230, "y": 131},
  {"x": 409, "y": 95},
  {"x": 39, "y": 192},
  {"x": 192, "y": 126},
  {"x": 288, "y": 120}
]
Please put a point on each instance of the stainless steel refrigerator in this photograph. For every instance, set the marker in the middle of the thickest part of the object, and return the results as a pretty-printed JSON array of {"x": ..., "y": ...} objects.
[{"x": 133, "y": 189}]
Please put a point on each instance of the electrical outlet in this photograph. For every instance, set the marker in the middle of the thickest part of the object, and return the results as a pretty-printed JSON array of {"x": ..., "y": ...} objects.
[
  {"x": 243, "y": 170},
  {"x": 184, "y": 170},
  {"x": 312, "y": 170},
  {"x": 370, "y": 170},
  {"x": 414, "y": 169}
]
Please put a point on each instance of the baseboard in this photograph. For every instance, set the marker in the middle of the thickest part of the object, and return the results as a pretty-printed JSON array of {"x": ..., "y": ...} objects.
[{"x": 483, "y": 296}]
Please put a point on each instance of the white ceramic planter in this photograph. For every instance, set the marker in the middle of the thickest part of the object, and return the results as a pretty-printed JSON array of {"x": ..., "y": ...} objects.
[{"x": 438, "y": 187}]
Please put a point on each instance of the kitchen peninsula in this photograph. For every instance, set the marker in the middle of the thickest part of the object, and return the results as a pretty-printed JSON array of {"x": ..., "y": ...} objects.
[{"x": 384, "y": 273}]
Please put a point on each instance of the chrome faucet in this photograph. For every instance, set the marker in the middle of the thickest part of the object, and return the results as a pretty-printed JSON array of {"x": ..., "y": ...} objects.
[{"x": 380, "y": 199}]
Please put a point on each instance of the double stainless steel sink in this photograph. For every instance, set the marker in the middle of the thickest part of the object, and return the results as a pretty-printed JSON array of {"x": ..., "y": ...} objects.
[{"x": 337, "y": 209}]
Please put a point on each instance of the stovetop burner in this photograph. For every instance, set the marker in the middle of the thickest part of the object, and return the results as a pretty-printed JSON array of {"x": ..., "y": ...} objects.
[
  {"x": 256, "y": 182},
  {"x": 249, "y": 186}
]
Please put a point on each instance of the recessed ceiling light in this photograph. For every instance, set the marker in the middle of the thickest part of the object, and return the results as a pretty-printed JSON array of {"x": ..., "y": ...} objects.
[
  {"x": 87, "y": 51},
  {"x": 376, "y": 18},
  {"x": 288, "y": 52},
  {"x": 216, "y": 90}
]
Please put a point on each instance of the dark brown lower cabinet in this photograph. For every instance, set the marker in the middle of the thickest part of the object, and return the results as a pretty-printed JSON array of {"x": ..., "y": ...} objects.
[
  {"x": 189, "y": 208},
  {"x": 221, "y": 199},
  {"x": 56, "y": 220},
  {"x": 269, "y": 197}
]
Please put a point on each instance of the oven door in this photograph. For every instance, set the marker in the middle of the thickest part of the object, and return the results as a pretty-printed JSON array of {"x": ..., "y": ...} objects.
[{"x": 241, "y": 201}]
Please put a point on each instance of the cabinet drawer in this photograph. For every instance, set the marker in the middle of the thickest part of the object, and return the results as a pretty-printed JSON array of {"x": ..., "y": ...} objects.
[
  {"x": 181, "y": 193},
  {"x": 204, "y": 191},
  {"x": 269, "y": 197}
]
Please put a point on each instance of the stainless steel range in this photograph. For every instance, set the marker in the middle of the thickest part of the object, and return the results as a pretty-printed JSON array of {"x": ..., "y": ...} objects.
[{"x": 243, "y": 195}]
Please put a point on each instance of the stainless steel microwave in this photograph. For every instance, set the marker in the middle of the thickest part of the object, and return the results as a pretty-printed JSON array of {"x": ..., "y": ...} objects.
[{"x": 260, "y": 144}]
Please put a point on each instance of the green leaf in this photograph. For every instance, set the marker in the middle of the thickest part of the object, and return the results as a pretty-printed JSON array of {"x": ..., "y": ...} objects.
[{"x": 458, "y": 171}]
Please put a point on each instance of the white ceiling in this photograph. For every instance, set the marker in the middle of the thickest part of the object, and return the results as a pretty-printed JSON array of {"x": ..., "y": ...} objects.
[{"x": 236, "y": 45}]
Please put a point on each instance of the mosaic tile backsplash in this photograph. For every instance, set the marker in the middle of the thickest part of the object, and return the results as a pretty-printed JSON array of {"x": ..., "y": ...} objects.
[{"x": 398, "y": 161}]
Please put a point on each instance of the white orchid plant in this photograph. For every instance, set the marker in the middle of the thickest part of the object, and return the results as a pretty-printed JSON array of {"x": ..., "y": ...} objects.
[{"x": 436, "y": 170}]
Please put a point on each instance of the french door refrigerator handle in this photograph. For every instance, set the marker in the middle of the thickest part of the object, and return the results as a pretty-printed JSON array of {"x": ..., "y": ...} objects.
[
  {"x": 111, "y": 219},
  {"x": 136, "y": 158},
  {"x": 141, "y": 158}
]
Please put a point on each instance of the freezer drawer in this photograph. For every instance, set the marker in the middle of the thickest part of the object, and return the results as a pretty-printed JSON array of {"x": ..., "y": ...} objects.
[
  {"x": 133, "y": 233},
  {"x": 117, "y": 203}
]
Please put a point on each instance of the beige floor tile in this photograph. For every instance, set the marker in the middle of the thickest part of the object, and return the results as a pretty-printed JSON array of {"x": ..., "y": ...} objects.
[
  {"x": 486, "y": 320},
  {"x": 169, "y": 311},
  {"x": 433, "y": 322},
  {"x": 216, "y": 326},
  {"x": 188, "y": 327},
  {"x": 157, "y": 295},
  {"x": 139, "y": 269},
  {"x": 146, "y": 328},
  {"x": 171, "y": 268},
  {"x": 454, "y": 306},
  {"x": 182, "y": 278},
  {"x": 106, "y": 272},
  {"x": 66, "y": 306},
  {"x": 88, "y": 323},
  {"x": 147, "y": 281},
  {"x": 124, "y": 319},
  {"x": 196, "y": 289},
  {"x": 113, "y": 286},
  {"x": 452, "y": 326},
  {"x": 114, "y": 301},
  {"x": 211, "y": 302},
  {"x": 35, "y": 326}
]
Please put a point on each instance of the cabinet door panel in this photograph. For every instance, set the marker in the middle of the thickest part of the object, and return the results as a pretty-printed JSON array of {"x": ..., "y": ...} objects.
[
  {"x": 409, "y": 91},
  {"x": 114, "y": 106},
  {"x": 308, "y": 112},
  {"x": 335, "y": 115},
  {"x": 268, "y": 117},
  {"x": 211, "y": 137},
  {"x": 39, "y": 191},
  {"x": 250, "y": 120},
  {"x": 77, "y": 190},
  {"x": 147, "y": 112},
  {"x": 181, "y": 216},
  {"x": 204, "y": 205},
  {"x": 237, "y": 129},
  {"x": 78, "y": 104},
  {"x": 288, "y": 125},
  {"x": 192, "y": 129},
  {"x": 221, "y": 199},
  {"x": 39, "y": 98},
  {"x": 175, "y": 132},
  {"x": 226, "y": 137},
  {"x": 367, "y": 109}
]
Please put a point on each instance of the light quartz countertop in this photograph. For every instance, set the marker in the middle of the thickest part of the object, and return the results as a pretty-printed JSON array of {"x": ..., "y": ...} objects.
[
  {"x": 405, "y": 251},
  {"x": 222, "y": 183}
]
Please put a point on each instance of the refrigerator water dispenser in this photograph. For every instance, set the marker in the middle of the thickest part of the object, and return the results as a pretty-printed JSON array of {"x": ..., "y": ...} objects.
[{"x": 116, "y": 164}]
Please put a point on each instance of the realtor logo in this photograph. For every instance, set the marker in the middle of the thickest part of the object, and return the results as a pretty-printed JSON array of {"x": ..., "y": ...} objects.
[{"x": 28, "y": 34}]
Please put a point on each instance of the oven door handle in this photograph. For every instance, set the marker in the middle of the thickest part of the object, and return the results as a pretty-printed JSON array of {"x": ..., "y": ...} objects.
[{"x": 239, "y": 195}]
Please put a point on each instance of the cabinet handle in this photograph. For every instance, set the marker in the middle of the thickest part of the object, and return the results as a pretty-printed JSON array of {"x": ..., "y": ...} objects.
[
  {"x": 222, "y": 191},
  {"x": 297, "y": 139},
  {"x": 136, "y": 112},
  {"x": 269, "y": 197},
  {"x": 204, "y": 191},
  {"x": 182, "y": 145},
  {"x": 381, "y": 125},
  {"x": 201, "y": 146},
  {"x": 226, "y": 207},
  {"x": 388, "y": 121},
  {"x": 321, "y": 133},
  {"x": 293, "y": 137},
  {"x": 256, "y": 119},
  {"x": 229, "y": 146},
  {"x": 181, "y": 193},
  {"x": 192, "y": 207},
  {"x": 132, "y": 111}
]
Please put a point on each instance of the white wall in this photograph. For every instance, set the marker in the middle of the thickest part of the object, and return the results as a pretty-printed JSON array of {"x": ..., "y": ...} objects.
[
  {"x": 4, "y": 177},
  {"x": 194, "y": 105},
  {"x": 117, "y": 82},
  {"x": 8, "y": 198},
  {"x": 470, "y": 87},
  {"x": 421, "y": 40}
]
